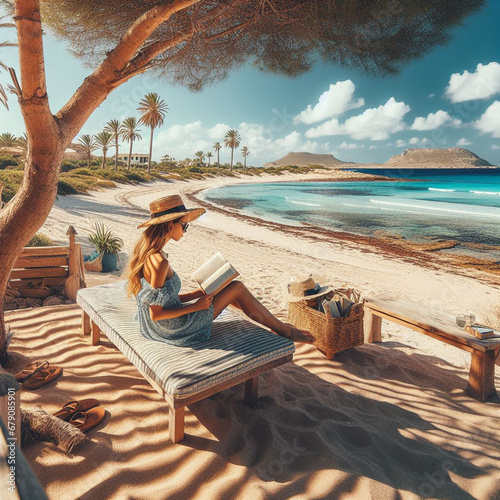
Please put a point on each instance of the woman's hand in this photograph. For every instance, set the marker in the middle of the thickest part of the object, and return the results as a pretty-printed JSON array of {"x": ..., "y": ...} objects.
[
  {"x": 204, "y": 302},
  {"x": 188, "y": 296}
]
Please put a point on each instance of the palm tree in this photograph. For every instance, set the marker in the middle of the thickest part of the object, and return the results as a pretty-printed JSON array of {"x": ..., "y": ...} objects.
[
  {"x": 209, "y": 155},
  {"x": 200, "y": 155},
  {"x": 153, "y": 110},
  {"x": 244, "y": 153},
  {"x": 103, "y": 141},
  {"x": 232, "y": 140},
  {"x": 7, "y": 140},
  {"x": 87, "y": 145},
  {"x": 113, "y": 127},
  {"x": 130, "y": 133},
  {"x": 217, "y": 148}
]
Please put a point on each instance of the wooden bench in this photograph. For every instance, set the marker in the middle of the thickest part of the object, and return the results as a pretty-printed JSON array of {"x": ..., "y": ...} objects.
[
  {"x": 39, "y": 268},
  {"x": 441, "y": 326},
  {"x": 237, "y": 351}
]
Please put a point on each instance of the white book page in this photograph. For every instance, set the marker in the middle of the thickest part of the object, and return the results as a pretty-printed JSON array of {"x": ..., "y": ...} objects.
[
  {"x": 224, "y": 274},
  {"x": 209, "y": 268}
]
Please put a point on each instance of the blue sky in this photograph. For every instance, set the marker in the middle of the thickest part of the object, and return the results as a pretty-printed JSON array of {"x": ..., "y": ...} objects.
[{"x": 449, "y": 98}]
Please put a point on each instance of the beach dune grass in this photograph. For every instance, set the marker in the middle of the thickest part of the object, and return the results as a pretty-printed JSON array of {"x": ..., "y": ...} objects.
[{"x": 40, "y": 240}]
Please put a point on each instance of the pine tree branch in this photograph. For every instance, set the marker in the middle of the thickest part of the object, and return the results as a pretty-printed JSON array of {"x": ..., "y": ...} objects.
[{"x": 110, "y": 72}]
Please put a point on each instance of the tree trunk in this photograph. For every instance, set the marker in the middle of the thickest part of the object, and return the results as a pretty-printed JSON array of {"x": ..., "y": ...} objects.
[
  {"x": 26, "y": 213},
  {"x": 89, "y": 158},
  {"x": 103, "y": 164},
  {"x": 116, "y": 153},
  {"x": 150, "y": 149},
  {"x": 232, "y": 151},
  {"x": 218, "y": 161},
  {"x": 130, "y": 155}
]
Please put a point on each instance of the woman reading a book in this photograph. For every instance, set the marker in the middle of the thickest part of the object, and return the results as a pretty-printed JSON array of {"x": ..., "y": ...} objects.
[{"x": 184, "y": 319}]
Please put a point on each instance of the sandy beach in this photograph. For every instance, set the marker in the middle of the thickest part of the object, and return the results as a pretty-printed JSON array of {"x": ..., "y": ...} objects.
[{"x": 383, "y": 421}]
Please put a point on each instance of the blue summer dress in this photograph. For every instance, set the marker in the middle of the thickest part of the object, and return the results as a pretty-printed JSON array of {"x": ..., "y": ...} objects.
[{"x": 186, "y": 330}]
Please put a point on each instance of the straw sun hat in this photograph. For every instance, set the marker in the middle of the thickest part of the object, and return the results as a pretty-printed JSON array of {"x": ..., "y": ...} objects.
[
  {"x": 170, "y": 208},
  {"x": 306, "y": 289}
]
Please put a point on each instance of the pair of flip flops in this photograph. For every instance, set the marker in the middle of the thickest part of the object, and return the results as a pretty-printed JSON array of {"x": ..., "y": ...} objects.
[
  {"x": 37, "y": 374},
  {"x": 84, "y": 414}
]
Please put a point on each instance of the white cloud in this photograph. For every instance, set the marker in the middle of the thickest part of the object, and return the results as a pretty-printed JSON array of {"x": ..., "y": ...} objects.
[
  {"x": 373, "y": 146},
  {"x": 217, "y": 132},
  {"x": 495, "y": 146},
  {"x": 435, "y": 120},
  {"x": 351, "y": 145},
  {"x": 414, "y": 140},
  {"x": 489, "y": 123},
  {"x": 335, "y": 101},
  {"x": 463, "y": 142},
  {"x": 400, "y": 143},
  {"x": 374, "y": 123},
  {"x": 483, "y": 83},
  {"x": 430, "y": 96},
  {"x": 424, "y": 140},
  {"x": 180, "y": 132}
]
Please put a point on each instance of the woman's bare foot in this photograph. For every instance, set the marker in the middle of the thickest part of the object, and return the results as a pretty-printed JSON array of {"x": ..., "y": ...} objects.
[{"x": 296, "y": 335}]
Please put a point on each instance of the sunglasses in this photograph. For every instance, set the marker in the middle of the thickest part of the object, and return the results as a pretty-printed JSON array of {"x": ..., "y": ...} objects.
[{"x": 184, "y": 225}]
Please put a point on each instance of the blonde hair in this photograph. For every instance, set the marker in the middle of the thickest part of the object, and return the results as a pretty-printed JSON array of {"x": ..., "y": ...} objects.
[{"x": 152, "y": 241}]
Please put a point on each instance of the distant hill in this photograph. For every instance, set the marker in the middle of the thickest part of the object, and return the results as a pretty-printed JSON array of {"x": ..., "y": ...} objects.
[
  {"x": 307, "y": 159},
  {"x": 437, "y": 157}
]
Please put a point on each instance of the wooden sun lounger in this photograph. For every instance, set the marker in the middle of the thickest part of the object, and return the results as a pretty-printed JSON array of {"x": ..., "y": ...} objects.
[
  {"x": 238, "y": 351},
  {"x": 441, "y": 326}
]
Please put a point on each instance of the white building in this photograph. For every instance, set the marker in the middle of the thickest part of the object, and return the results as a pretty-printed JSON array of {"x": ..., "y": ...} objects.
[{"x": 135, "y": 159}]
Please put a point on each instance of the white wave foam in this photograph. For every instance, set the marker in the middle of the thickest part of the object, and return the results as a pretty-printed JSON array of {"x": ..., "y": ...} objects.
[
  {"x": 357, "y": 206},
  {"x": 442, "y": 190},
  {"x": 410, "y": 212},
  {"x": 295, "y": 202},
  {"x": 435, "y": 208},
  {"x": 492, "y": 193}
]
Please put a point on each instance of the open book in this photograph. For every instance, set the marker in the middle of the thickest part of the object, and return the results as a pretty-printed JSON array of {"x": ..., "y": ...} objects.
[{"x": 215, "y": 274}]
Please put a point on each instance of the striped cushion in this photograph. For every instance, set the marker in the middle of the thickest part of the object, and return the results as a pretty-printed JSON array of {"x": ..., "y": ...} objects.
[{"x": 235, "y": 347}]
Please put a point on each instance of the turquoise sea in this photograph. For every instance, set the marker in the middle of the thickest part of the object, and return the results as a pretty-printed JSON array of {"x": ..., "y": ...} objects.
[{"x": 423, "y": 205}]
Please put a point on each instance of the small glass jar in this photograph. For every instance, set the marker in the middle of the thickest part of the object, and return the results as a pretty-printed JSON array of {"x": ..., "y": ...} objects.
[
  {"x": 461, "y": 320},
  {"x": 470, "y": 319}
]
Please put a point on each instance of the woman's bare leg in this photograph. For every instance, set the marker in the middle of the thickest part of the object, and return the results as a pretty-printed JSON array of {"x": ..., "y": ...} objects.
[{"x": 237, "y": 293}]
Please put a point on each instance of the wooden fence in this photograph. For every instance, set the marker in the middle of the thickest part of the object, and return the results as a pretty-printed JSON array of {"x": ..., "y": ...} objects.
[{"x": 45, "y": 267}]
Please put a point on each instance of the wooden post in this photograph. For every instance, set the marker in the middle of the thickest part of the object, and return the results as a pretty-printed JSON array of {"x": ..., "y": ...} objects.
[
  {"x": 72, "y": 259},
  {"x": 482, "y": 375},
  {"x": 85, "y": 323},
  {"x": 176, "y": 424},
  {"x": 74, "y": 280},
  {"x": 96, "y": 334},
  {"x": 373, "y": 326},
  {"x": 251, "y": 390}
]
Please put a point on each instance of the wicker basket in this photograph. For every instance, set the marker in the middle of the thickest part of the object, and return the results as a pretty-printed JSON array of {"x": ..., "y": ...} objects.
[{"x": 332, "y": 335}]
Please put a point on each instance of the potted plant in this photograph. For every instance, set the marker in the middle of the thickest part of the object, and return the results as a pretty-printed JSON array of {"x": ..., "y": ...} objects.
[{"x": 106, "y": 243}]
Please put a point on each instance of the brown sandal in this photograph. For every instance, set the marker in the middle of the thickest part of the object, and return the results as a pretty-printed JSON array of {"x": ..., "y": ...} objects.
[
  {"x": 88, "y": 419},
  {"x": 30, "y": 370},
  {"x": 42, "y": 377},
  {"x": 72, "y": 407}
]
